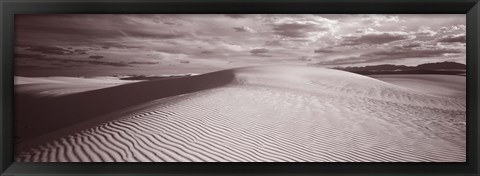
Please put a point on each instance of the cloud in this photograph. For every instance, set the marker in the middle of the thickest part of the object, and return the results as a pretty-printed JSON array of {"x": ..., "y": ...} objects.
[
  {"x": 141, "y": 62},
  {"x": 29, "y": 67},
  {"x": 171, "y": 50},
  {"x": 54, "y": 50},
  {"x": 305, "y": 59},
  {"x": 393, "y": 54},
  {"x": 457, "y": 38},
  {"x": 242, "y": 38},
  {"x": 260, "y": 52},
  {"x": 243, "y": 29},
  {"x": 236, "y": 15},
  {"x": 323, "y": 51},
  {"x": 85, "y": 62},
  {"x": 80, "y": 51},
  {"x": 91, "y": 28},
  {"x": 50, "y": 50},
  {"x": 115, "y": 64},
  {"x": 425, "y": 31},
  {"x": 67, "y": 27},
  {"x": 408, "y": 45},
  {"x": 96, "y": 57},
  {"x": 378, "y": 20},
  {"x": 303, "y": 28},
  {"x": 207, "y": 52},
  {"x": 68, "y": 62},
  {"x": 296, "y": 29},
  {"x": 374, "y": 38},
  {"x": 19, "y": 55},
  {"x": 108, "y": 45},
  {"x": 152, "y": 34},
  {"x": 456, "y": 28},
  {"x": 273, "y": 43}
]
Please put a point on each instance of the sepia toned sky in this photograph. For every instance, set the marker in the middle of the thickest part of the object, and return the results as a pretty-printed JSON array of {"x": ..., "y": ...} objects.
[{"x": 161, "y": 44}]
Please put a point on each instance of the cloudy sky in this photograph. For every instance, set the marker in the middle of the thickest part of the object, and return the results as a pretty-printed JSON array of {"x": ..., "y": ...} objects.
[{"x": 165, "y": 44}]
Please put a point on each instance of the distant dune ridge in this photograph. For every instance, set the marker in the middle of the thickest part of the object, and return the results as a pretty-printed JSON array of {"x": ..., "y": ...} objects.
[
  {"x": 250, "y": 114},
  {"x": 446, "y": 68}
]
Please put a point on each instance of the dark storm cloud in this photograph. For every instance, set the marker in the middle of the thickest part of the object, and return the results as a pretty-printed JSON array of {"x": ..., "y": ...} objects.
[
  {"x": 408, "y": 46},
  {"x": 96, "y": 57},
  {"x": 56, "y": 61},
  {"x": 152, "y": 35},
  {"x": 393, "y": 54},
  {"x": 323, "y": 51},
  {"x": 374, "y": 38},
  {"x": 460, "y": 38},
  {"x": 85, "y": 28},
  {"x": 70, "y": 28},
  {"x": 86, "y": 62},
  {"x": 29, "y": 67},
  {"x": 115, "y": 64},
  {"x": 236, "y": 15},
  {"x": 108, "y": 45},
  {"x": 145, "y": 63},
  {"x": 133, "y": 40},
  {"x": 173, "y": 50},
  {"x": 80, "y": 51},
  {"x": 49, "y": 50},
  {"x": 296, "y": 29},
  {"x": 260, "y": 52},
  {"x": 19, "y": 55}
]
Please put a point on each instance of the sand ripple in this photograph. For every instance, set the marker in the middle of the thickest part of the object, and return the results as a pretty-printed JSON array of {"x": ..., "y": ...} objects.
[{"x": 275, "y": 114}]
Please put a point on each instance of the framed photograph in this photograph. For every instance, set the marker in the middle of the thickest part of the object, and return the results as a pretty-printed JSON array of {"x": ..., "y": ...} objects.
[{"x": 198, "y": 87}]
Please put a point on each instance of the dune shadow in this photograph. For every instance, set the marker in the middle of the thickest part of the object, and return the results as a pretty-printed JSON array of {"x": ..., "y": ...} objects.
[{"x": 35, "y": 116}]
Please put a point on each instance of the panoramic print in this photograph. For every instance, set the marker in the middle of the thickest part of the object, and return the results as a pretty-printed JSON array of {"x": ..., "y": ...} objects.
[{"x": 240, "y": 88}]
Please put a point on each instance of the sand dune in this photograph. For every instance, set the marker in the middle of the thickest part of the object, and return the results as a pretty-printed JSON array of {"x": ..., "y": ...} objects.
[
  {"x": 442, "y": 85},
  {"x": 269, "y": 113},
  {"x": 59, "y": 86},
  {"x": 74, "y": 108}
]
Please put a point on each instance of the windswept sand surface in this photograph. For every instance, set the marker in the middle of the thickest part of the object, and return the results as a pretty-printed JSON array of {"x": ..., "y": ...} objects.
[
  {"x": 270, "y": 113},
  {"x": 442, "y": 85}
]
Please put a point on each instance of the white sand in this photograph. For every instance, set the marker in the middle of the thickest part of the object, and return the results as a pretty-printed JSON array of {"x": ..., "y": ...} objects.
[
  {"x": 442, "y": 85},
  {"x": 275, "y": 113}
]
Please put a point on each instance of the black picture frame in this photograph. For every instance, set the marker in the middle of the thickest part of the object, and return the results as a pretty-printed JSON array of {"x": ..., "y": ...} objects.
[{"x": 9, "y": 8}]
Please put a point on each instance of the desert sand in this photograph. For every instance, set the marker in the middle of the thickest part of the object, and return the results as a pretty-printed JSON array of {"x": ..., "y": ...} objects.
[
  {"x": 60, "y": 85},
  {"x": 250, "y": 114},
  {"x": 442, "y": 85}
]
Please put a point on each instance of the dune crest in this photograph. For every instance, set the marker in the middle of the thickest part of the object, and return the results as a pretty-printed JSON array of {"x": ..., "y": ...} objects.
[{"x": 267, "y": 113}]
